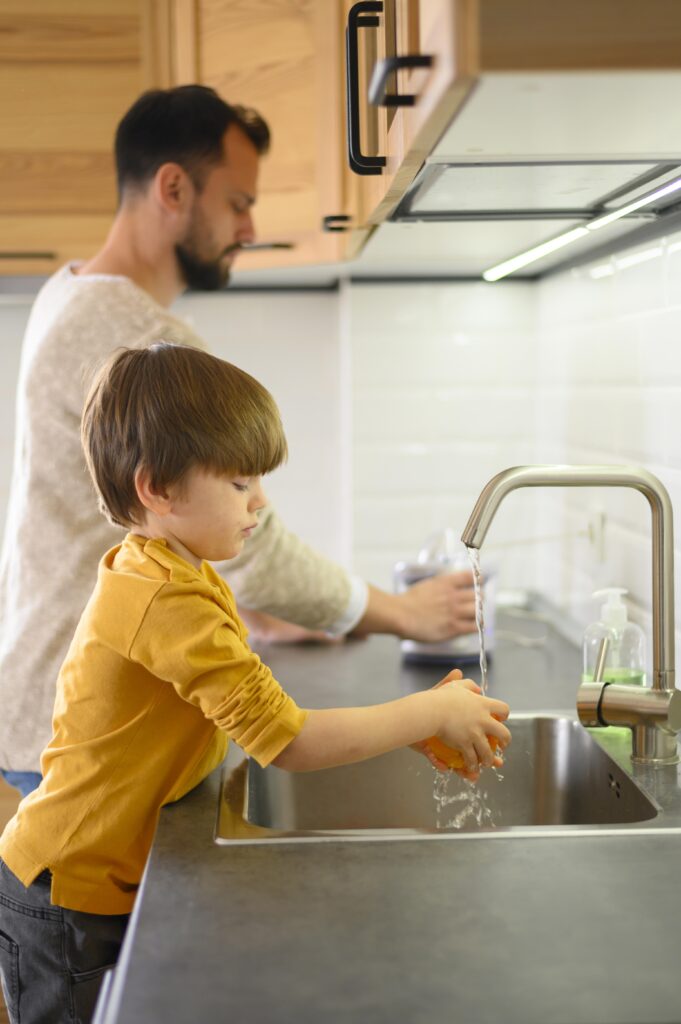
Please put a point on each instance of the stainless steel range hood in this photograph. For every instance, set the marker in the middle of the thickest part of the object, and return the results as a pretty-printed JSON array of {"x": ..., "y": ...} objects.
[
  {"x": 531, "y": 156},
  {"x": 529, "y": 190}
]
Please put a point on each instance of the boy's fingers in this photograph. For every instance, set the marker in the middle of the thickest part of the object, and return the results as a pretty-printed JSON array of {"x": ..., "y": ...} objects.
[
  {"x": 470, "y": 759},
  {"x": 499, "y": 708},
  {"x": 484, "y": 751},
  {"x": 498, "y": 729},
  {"x": 467, "y": 683},
  {"x": 451, "y": 677}
]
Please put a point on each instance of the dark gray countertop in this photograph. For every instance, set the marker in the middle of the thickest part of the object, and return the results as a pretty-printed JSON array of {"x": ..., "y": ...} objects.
[{"x": 577, "y": 930}]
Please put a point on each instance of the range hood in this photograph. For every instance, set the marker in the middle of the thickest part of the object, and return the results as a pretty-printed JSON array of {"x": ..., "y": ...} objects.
[{"x": 531, "y": 157}]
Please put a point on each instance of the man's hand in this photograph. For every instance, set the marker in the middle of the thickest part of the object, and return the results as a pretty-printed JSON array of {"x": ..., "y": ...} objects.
[
  {"x": 269, "y": 630},
  {"x": 439, "y": 608},
  {"x": 433, "y": 610}
]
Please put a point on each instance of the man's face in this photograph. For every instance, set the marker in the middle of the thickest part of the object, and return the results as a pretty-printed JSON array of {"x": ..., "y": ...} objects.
[{"x": 220, "y": 219}]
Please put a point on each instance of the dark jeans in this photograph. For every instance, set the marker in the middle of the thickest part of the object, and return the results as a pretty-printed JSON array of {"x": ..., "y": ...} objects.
[
  {"x": 52, "y": 960},
  {"x": 25, "y": 782}
]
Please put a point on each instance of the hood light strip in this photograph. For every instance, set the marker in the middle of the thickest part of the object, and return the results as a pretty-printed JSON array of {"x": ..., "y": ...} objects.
[{"x": 532, "y": 255}]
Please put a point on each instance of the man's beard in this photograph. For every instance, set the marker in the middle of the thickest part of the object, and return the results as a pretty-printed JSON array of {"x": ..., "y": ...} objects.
[{"x": 201, "y": 275}]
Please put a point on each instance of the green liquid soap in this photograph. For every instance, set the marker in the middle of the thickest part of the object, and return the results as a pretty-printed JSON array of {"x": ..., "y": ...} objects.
[
  {"x": 624, "y": 643},
  {"x": 627, "y": 676}
]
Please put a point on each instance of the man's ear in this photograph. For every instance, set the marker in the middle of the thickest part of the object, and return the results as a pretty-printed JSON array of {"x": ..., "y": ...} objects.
[
  {"x": 156, "y": 500},
  {"x": 173, "y": 188}
]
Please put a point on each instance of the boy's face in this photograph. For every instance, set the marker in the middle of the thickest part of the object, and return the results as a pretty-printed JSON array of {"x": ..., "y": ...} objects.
[{"x": 212, "y": 516}]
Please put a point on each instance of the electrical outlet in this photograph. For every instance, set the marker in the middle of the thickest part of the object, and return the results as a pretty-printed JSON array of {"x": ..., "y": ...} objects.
[{"x": 596, "y": 531}]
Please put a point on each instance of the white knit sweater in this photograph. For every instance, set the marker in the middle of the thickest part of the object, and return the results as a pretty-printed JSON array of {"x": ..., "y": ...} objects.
[{"x": 55, "y": 536}]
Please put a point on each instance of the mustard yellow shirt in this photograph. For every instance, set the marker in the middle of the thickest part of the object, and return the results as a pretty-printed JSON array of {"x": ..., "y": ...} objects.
[{"x": 158, "y": 676}]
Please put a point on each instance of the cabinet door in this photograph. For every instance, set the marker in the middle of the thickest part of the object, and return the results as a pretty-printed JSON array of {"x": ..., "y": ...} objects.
[
  {"x": 444, "y": 31},
  {"x": 68, "y": 71},
  {"x": 283, "y": 57},
  {"x": 468, "y": 39}
]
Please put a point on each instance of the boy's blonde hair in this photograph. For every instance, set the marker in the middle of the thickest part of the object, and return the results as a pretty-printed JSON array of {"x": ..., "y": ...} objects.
[{"x": 169, "y": 408}]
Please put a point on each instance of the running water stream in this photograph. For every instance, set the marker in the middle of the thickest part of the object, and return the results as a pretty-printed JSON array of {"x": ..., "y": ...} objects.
[
  {"x": 474, "y": 555},
  {"x": 458, "y": 801}
]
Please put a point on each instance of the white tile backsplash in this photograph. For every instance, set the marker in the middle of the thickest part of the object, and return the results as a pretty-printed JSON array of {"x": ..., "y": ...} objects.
[
  {"x": 443, "y": 392},
  {"x": 617, "y": 339},
  {"x": 13, "y": 317}
]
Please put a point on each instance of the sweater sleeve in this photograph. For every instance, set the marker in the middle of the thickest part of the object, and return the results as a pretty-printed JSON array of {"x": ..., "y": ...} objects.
[
  {"x": 280, "y": 574},
  {"x": 189, "y": 640}
]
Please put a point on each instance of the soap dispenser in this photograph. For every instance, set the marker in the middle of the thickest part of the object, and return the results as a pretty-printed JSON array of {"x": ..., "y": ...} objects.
[{"x": 626, "y": 652}]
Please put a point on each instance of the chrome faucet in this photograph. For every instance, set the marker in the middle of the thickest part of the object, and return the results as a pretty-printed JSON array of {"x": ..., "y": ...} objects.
[{"x": 652, "y": 713}]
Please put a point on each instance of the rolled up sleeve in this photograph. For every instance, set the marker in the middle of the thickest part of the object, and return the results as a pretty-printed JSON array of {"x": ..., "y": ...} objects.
[{"x": 194, "y": 644}]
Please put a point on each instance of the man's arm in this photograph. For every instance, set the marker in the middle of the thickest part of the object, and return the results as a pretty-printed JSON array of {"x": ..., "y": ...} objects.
[
  {"x": 431, "y": 611},
  {"x": 267, "y": 629},
  {"x": 279, "y": 574}
]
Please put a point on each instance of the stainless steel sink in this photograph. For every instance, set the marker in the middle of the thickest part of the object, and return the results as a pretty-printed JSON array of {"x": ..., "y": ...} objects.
[{"x": 556, "y": 780}]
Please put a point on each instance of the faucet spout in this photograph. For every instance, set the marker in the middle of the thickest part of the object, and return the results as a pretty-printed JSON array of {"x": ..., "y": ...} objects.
[{"x": 663, "y": 683}]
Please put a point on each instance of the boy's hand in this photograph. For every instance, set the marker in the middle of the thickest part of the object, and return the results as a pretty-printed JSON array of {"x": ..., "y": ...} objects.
[
  {"x": 468, "y": 719},
  {"x": 423, "y": 748}
]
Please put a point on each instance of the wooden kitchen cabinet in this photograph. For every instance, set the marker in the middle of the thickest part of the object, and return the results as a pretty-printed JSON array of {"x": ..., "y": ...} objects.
[
  {"x": 70, "y": 68},
  {"x": 446, "y": 32},
  {"x": 284, "y": 57},
  {"x": 468, "y": 39},
  {"x": 68, "y": 71}
]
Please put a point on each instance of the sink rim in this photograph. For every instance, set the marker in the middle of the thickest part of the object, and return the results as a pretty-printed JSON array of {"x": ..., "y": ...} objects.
[{"x": 244, "y": 832}]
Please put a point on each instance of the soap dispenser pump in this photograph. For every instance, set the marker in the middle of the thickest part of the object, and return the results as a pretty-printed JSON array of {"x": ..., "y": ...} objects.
[{"x": 626, "y": 650}]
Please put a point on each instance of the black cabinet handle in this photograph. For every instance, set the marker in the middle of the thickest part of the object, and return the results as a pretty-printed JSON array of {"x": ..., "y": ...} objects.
[
  {"x": 361, "y": 15},
  {"x": 383, "y": 70},
  {"x": 261, "y": 246},
  {"x": 6, "y": 254},
  {"x": 336, "y": 222}
]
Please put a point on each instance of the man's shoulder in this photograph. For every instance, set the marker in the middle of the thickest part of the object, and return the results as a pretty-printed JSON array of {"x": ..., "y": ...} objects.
[{"x": 93, "y": 314}]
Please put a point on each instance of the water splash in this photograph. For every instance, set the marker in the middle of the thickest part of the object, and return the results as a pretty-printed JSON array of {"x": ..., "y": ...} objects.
[{"x": 465, "y": 806}]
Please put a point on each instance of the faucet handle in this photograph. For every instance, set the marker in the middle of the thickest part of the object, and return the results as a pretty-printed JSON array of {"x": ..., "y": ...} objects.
[
  {"x": 654, "y": 716},
  {"x": 588, "y": 704}
]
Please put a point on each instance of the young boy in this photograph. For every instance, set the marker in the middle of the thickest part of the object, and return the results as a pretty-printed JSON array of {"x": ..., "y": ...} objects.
[{"x": 159, "y": 675}]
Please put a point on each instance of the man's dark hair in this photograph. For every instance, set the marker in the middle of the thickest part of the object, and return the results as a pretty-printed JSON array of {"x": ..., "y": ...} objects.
[{"x": 184, "y": 125}]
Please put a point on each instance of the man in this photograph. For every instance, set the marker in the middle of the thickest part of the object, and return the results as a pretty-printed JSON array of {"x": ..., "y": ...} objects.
[{"x": 187, "y": 168}]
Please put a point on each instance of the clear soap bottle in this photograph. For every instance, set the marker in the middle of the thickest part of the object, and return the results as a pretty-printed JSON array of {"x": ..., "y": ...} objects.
[{"x": 626, "y": 655}]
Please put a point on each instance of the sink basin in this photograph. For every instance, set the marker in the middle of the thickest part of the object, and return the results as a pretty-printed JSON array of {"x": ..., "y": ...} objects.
[{"x": 556, "y": 777}]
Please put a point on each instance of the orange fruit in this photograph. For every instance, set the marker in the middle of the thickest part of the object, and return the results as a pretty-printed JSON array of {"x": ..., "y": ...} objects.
[{"x": 451, "y": 757}]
